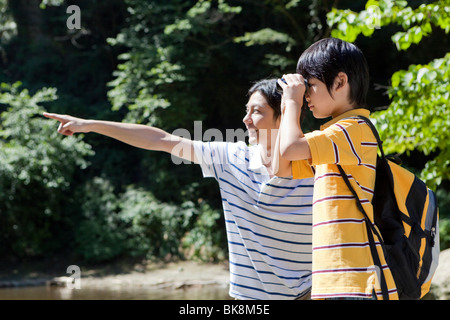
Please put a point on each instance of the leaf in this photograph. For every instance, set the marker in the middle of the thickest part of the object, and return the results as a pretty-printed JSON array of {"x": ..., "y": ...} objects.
[
  {"x": 265, "y": 36},
  {"x": 420, "y": 98}
]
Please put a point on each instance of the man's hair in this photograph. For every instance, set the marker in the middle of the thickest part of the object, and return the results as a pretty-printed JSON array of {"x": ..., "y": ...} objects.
[
  {"x": 268, "y": 88},
  {"x": 327, "y": 57}
]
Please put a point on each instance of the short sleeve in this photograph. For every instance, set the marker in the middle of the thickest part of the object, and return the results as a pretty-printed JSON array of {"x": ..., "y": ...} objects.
[
  {"x": 215, "y": 157},
  {"x": 302, "y": 170},
  {"x": 338, "y": 144}
]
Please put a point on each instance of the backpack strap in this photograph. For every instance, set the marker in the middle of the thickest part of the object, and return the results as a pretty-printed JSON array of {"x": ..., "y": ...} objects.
[
  {"x": 370, "y": 231},
  {"x": 375, "y": 133},
  {"x": 369, "y": 225},
  {"x": 347, "y": 182}
]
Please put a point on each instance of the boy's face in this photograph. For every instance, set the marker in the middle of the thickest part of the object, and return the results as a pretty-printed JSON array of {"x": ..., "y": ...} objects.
[
  {"x": 323, "y": 104},
  {"x": 319, "y": 99},
  {"x": 259, "y": 120}
]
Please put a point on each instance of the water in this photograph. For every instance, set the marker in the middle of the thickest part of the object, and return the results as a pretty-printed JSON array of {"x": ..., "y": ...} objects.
[{"x": 212, "y": 292}]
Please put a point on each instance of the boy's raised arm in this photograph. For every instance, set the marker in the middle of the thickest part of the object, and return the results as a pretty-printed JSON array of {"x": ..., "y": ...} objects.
[
  {"x": 136, "y": 135},
  {"x": 293, "y": 144}
]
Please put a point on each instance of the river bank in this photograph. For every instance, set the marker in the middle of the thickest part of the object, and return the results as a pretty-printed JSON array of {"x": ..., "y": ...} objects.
[
  {"x": 160, "y": 280},
  {"x": 146, "y": 280}
]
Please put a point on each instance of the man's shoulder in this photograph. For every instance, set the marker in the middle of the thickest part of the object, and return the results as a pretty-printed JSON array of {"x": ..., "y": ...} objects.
[{"x": 229, "y": 151}]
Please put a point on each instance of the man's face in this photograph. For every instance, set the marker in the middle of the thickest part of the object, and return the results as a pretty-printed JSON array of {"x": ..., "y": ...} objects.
[{"x": 259, "y": 120}]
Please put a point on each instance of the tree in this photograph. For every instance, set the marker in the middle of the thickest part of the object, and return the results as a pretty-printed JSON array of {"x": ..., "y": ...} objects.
[
  {"x": 37, "y": 167},
  {"x": 194, "y": 60},
  {"x": 28, "y": 17}
]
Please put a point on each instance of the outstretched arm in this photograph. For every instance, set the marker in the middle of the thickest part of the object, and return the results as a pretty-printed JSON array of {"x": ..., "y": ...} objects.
[{"x": 137, "y": 135}]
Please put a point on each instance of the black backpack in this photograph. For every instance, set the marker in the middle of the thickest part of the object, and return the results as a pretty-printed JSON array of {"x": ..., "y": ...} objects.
[{"x": 407, "y": 226}]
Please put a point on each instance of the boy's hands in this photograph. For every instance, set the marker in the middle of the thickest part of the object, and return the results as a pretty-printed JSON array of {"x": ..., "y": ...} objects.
[
  {"x": 293, "y": 144},
  {"x": 293, "y": 91},
  {"x": 68, "y": 124}
]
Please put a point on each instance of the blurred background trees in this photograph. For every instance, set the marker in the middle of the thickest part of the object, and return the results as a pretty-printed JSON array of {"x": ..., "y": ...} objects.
[{"x": 170, "y": 63}]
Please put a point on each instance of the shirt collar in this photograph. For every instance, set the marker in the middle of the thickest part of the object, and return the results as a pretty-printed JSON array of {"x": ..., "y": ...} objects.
[
  {"x": 255, "y": 158},
  {"x": 348, "y": 114}
]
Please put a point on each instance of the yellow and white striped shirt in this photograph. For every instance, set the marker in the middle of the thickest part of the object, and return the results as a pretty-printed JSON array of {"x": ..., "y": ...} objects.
[{"x": 342, "y": 261}]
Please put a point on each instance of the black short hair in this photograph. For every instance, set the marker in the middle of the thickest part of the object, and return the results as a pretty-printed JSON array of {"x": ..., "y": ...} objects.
[
  {"x": 268, "y": 88},
  {"x": 327, "y": 57}
]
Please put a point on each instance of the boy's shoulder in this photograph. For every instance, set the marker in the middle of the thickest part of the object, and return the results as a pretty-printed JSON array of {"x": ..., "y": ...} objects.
[
  {"x": 351, "y": 117},
  {"x": 347, "y": 127},
  {"x": 352, "y": 126},
  {"x": 343, "y": 140},
  {"x": 349, "y": 124}
]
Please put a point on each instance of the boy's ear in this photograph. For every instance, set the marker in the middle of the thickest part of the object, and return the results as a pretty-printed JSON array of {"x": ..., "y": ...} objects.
[{"x": 341, "y": 80}]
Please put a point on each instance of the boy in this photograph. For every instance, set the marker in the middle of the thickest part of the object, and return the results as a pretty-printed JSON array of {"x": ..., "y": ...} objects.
[{"x": 337, "y": 75}]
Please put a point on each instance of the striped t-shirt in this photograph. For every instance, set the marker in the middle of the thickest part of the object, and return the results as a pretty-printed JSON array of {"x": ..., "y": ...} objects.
[
  {"x": 342, "y": 261},
  {"x": 268, "y": 222}
]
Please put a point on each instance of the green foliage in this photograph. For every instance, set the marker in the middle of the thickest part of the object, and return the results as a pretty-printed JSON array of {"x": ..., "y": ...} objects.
[
  {"x": 7, "y": 25},
  {"x": 444, "y": 218},
  {"x": 46, "y": 3},
  {"x": 419, "y": 117},
  {"x": 267, "y": 36},
  {"x": 444, "y": 233},
  {"x": 416, "y": 23},
  {"x": 99, "y": 235},
  {"x": 205, "y": 240},
  {"x": 36, "y": 169},
  {"x": 191, "y": 60},
  {"x": 155, "y": 228},
  {"x": 158, "y": 72},
  {"x": 136, "y": 224}
]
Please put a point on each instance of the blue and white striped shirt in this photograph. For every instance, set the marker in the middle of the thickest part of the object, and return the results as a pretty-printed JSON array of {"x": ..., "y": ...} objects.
[{"x": 268, "y": 222}]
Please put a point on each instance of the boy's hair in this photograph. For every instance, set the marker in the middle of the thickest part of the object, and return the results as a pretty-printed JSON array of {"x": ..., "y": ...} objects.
[
  {"x": 268, "y": 88},
  {"x": 327, "y": 57}
]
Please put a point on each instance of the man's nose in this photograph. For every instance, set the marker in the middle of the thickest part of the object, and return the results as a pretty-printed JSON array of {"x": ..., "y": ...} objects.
[{"x": 247, "y": 119}]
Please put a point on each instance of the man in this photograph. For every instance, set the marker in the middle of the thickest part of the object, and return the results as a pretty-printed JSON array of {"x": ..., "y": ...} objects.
[{"x": 268, "y": 218}]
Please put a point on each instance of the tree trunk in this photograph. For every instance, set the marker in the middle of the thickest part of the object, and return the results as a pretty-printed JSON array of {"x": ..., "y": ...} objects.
[{"x": 28, "y": 17}]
